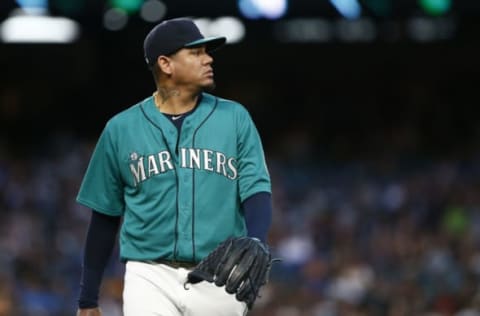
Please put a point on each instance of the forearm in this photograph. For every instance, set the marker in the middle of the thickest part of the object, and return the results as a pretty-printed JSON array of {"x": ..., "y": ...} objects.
[
  {"x": 99, "y": 245},
  {"x": 258, "y": 215}
]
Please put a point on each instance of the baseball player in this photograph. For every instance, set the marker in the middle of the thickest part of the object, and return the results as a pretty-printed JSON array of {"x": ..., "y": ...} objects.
[{"x": 176, "y": 174}]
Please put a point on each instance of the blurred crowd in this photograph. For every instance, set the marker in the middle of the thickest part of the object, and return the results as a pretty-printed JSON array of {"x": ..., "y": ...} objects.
[{"x": 356, "y": 237}]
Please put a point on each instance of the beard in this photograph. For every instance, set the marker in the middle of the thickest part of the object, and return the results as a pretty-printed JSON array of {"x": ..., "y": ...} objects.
[{"x": 209, "y": 87}]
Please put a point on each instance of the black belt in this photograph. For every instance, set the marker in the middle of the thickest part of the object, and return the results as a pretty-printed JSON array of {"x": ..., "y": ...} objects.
[{"x": 175, "y": 263}]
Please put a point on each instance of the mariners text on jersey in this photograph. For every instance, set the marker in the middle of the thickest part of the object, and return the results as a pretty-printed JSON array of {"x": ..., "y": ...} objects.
[{"x": 144, "y": 167}]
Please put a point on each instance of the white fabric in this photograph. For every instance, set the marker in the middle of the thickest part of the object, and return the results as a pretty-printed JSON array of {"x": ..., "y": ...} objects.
[{"x": 160, "y": 290}]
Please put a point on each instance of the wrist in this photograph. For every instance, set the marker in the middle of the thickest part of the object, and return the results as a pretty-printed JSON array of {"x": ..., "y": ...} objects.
[{"x": 89, "y": 288}]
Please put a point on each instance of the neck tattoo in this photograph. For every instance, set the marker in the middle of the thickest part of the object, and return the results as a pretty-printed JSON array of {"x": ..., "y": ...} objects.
[{"x": 164, "y": 94}]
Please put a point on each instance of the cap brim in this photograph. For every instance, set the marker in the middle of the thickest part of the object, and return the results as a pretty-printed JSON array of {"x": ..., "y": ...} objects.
[{"x": 212, "y": 43}]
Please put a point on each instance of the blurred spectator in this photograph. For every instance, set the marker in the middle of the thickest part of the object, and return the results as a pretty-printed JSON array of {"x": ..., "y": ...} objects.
[{"x": 356, "y": 238}]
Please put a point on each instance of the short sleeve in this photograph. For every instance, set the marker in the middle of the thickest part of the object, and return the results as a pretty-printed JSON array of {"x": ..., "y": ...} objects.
[
  {"x": 102, "y": 186},
  {"x": 253, "y": 171}
]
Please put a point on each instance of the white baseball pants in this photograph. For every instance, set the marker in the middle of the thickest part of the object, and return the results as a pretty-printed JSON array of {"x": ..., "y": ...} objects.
[{"x": 152, "y": 289}]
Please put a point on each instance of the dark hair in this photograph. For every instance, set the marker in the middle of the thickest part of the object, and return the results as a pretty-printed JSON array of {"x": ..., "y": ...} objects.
[{"x": 156, "y": 72}]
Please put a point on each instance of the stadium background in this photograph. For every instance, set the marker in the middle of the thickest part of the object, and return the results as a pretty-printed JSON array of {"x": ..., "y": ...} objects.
[{"x": 370, "y": 124}]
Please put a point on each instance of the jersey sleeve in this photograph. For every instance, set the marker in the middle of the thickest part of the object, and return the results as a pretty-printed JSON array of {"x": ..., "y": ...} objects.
[
  {"x": 102, "y": 186},
  {"x": 252, "y": 167}
]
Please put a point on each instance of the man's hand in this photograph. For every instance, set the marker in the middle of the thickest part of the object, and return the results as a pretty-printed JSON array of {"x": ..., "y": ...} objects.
[
  {"x": 241, "y": 264},
  {"x": 89, "y": 312}
]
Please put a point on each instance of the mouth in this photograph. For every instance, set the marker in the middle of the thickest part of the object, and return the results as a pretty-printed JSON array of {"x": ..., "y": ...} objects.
[{"x": 209, "y": 73}]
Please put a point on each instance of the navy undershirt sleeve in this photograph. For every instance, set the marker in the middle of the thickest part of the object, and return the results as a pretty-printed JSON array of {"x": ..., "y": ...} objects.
[
  {"x": 258, "y": 215},
  {"x": 99, "y": 244}
]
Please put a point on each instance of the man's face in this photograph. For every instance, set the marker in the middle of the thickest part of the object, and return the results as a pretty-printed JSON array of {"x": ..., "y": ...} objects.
[{"x": 193, "y": 67}]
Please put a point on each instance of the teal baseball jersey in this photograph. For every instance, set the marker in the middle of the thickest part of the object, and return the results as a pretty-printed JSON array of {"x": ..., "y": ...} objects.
[{"x": 179, "y": 191}]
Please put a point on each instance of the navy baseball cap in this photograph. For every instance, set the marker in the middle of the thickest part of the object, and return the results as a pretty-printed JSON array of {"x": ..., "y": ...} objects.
[{"x": 172, "y": 35}]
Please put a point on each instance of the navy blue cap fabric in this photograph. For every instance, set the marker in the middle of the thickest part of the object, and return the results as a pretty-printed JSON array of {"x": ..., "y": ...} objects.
[{"x": 169, "y": 36}]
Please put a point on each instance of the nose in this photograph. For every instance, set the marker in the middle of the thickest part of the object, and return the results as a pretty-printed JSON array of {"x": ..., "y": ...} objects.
[{"x": 208, "y": 59}]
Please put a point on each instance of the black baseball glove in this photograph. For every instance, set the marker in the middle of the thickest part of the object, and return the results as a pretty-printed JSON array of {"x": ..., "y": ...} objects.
[{"x": 241, "y": 264}]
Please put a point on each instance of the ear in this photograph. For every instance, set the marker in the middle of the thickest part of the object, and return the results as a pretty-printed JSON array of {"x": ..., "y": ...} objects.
[{"x": 165, "y": 64}]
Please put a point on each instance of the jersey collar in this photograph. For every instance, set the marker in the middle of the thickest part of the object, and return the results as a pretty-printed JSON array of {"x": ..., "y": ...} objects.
[{"x": 204, "y": 108}]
